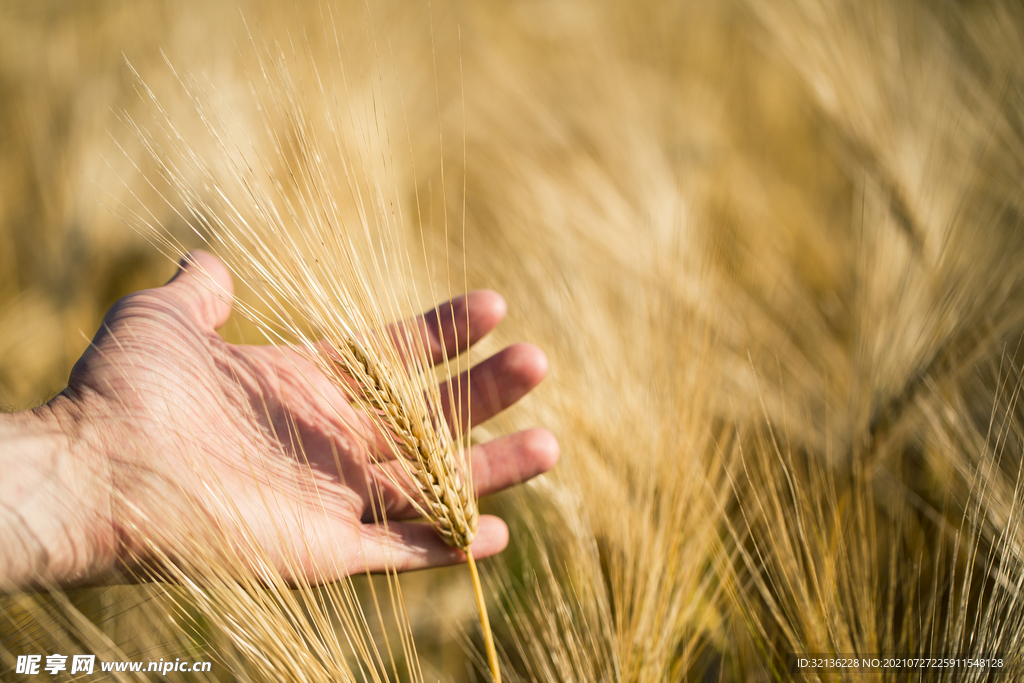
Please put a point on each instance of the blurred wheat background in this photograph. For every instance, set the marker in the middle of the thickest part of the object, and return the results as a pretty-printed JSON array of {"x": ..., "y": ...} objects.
[{"x": 771, "y": 248}]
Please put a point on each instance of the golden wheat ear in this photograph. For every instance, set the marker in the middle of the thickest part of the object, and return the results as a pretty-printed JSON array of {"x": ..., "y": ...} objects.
[
  {"x": 442, "y": 493},
  {"x": 442, "y": 490}
]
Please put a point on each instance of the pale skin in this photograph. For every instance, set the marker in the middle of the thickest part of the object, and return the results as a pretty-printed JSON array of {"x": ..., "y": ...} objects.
[{"x": 165, "y": 427}]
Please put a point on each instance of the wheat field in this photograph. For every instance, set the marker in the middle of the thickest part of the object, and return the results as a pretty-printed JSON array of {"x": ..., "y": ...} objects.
[{"x": 771, "y": 248}]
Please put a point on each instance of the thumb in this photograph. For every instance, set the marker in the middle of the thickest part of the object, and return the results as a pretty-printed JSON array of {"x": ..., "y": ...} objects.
[{"x": 203, "y": 287}]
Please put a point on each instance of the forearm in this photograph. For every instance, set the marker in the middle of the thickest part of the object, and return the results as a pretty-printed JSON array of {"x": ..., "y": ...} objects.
[{"x": 53, "y": 499}]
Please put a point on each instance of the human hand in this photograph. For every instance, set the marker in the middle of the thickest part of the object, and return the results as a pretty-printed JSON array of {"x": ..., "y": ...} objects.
[{"x": 171, "y": 429}]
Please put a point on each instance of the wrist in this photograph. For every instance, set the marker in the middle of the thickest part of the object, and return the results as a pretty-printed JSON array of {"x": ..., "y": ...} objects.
[{"x": 55, "y": 522}]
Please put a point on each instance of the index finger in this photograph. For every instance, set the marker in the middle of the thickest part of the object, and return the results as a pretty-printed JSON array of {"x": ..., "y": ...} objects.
[{"x": 452, "y": 327}]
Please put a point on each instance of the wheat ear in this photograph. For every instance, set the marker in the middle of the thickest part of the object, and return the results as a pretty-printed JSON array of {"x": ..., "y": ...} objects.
[
  {"x": 426, "y": 455},
  {"x": 447, "y": 501}
]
